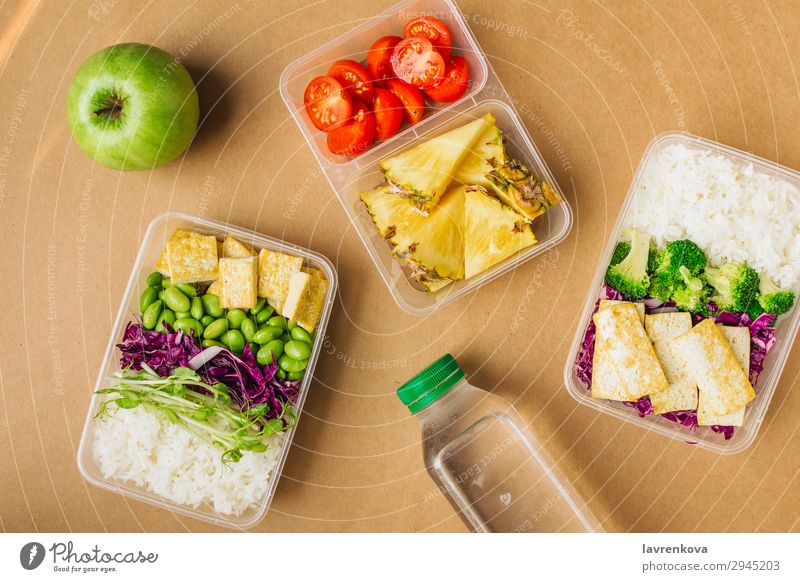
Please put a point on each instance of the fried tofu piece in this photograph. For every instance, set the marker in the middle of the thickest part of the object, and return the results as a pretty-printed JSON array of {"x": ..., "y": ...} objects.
[
  {"x": 723, "y": 384},
  {"x": 739, "y": 340},
  {"x": 233, "y": 249},
  {"x": 238, "y": 282},
  {"x": 622, "y": 343},
  {"x": 307, "y": 291},
  {"x": 682, "y": 393},
  {"x": 214, "y": 288},
  {"x": 274, "y": 274},
  {"x": 605, "y": 382},
  {"x": 162, "y": 265},
  {"x": 192, "y": 257},
  {"x": 606, "y": 303}
]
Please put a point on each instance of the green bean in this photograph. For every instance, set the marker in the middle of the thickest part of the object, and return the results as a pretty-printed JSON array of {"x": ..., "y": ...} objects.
[
  {"x": 236, "y": 317},
  {"x": 290, "y": 364},
  {"x": 297, "y": 350},
  {"x": 248, "y": 329},
  {"x": 197, "y": 308},
  {"x": 147, "y": 297},
  {"x": 298, "y": 333},
  {"x": 211, "y": 305},
  {"x": 176, "y": 300},
  {"x": 168, "y": 316},
  {"x": 277, "y": 321},
  {"x": 234, "y": 340},
  {"x": 187, "y": 289},
  {"x": 259, "y": 306},
  {"x": 150, "y": 315},
  {"x": 154, "y": 279},
  {"x": 183, "y": 314},
  {"x": 216, "y": 329},
  {"x": 207, "y": 343},
  {"x": 265, "y": 314},
  {"x": 187, "y": 324},
  {"x": 295, "y": 375},
  {"x": 266, "y": 334}
]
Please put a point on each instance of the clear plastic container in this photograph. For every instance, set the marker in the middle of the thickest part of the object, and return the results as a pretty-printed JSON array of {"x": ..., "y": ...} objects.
[
  {"x": 349, "y": 176},
  {"x": 494, "y": 473},
  {"x": 154, "y": 240},
  {"x": 786, "y": 328}
]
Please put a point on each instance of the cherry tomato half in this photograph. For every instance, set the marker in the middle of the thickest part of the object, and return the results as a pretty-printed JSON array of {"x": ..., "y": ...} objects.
[
  {"x": 415, "y": 61},
  {"x": 379, "y": 58},
  {"x": 410, "y": 97},
  {"x": 354, "y": 78},
  {"x": 327, "y": 103},
  {"x": 434, "y": 30},
  {"x": 388, "y": 111},
  {"x": 454, "y": 82},
  {"x": 355, "y": 136}
]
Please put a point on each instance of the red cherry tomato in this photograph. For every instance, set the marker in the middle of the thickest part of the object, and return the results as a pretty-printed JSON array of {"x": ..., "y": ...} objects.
[
  {"x": 354, "y": 78},
  {"x": 434, "y": 30},
  {"x": 454, "y": 82},
  {"x": 327, "y": 103},
  {"x": 410, "y": 97},
  {"x": 356, "y": 135},
  {"x": 379, "y": 58},
  {"x": 414, "y": 61},
  {"x": 388, "y": 111}
]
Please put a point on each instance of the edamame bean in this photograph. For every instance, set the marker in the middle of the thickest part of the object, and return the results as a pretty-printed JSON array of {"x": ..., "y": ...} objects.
[
  {"x": 187, "y": 289},
  {"x": 207, "y": 320},
  {"x": 154, "y": 279},
  {"x": 147, "y": 297},
  {"x": 277, "y": 321},
  {"x": 295, "y": 375},
  {"x": 271, "y": 349},
  {"x": 211, "y": 305},
  {"x": 234, "y": 339},
  {"x": 298, "y": 333},
  {"x": 168, "y": 316},
  {"x": 150, "y": 315},
  {"x": 183, "y": 314},
  {"x": 248, "y": 328},
  {"x": 285, "y": 337},
  {"x": 236, "y": 317},
  {"x": 297, "y": 350},
  {"x": 216, "y": 329},
  {"x": 207, "y": 343},
  {"x": 189, "y": 324},
  {"x": 253, "y": 348},
  {"x": 197, "y": 308},
  {"x": 282, "y": 374},
  {"x": 161, "y": 294},
  {"x": 290, "y": 364},
  {"x": 265, "y": 314},
  {"x": 259, "y": 306},
  {"x": 266, "y": 334},
  {"x": 292, "y": 325},
  {"x": 176, "y": 300},
  {"x": 166, "y": 282}
]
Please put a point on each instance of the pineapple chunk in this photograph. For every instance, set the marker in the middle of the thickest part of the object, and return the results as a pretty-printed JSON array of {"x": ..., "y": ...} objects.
[
  {"x": 483, "y": 156},
  {"x": 307, "y": 290},
  {"x": 238, "y": 282},
  {"x": 423, "y": 173},
  {"x": 515, "y": 185},
  {"x": 391, "y": 213},
  {"x": 274, "y": 272},
  {"x": 492, "y": 232},
  {"x": 233, "y": 249}
]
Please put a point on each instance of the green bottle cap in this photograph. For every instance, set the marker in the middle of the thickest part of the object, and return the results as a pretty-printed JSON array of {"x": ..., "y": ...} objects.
[{"x": 430, "y": 383}]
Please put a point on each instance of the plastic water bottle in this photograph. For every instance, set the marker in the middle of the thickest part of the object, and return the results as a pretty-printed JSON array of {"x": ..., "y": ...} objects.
[{"x": 476, "y": 449}]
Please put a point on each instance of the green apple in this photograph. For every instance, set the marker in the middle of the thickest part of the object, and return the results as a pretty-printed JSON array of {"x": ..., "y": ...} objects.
[{"x": 132, "y": 107}]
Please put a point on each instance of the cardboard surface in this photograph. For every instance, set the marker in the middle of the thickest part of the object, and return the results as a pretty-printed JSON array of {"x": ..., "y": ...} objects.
[{"x": 593, "y": 82}]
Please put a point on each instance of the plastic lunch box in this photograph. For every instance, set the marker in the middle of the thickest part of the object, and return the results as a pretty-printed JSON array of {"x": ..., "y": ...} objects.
[
  {"x": 786, "y": 328},
  {"x": 154, "y": 240},
  {"x": 349, "y": 176}
]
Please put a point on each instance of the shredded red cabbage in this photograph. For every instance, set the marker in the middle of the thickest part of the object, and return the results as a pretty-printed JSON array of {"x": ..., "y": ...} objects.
[
  {"x": 762, "y": 340},
  {"x": 163, "y": 352}
]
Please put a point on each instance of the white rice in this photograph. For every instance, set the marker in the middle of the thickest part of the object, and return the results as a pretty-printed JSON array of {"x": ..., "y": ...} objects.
[
  {"x": 141, "y": 446},
  {"x": 732, "y": 211}
]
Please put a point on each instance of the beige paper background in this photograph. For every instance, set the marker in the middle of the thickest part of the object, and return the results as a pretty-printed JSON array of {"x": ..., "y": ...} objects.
[{"x": 723, "y": 70}]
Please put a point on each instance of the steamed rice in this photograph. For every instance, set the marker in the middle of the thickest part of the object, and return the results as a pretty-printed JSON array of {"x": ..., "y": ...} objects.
[
  {"x": 732, "y": 211},
  {"x": 142, "y": 447}
]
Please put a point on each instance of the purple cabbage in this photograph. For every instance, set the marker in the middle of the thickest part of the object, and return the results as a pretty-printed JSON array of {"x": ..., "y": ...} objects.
[{"x": 163, "y": 352}]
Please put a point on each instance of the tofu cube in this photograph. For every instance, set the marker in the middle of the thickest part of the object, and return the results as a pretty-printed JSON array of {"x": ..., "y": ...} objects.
[
  {"x": 192, "y": 257},
  {"x": 233, "y": 249},
  {"x": 307, "y": 290},
  {"x": 238, "y": 280},
  {"x": 274, "y": 274}
]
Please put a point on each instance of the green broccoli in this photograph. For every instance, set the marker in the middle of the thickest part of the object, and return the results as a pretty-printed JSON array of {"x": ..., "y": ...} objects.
[
  {"x": 629, "y": 276},
  {"x": 692, "y": 293},
  {"x": 652, "y": 260},
  {"x": 735, "y": 285},
  {"x": 666, "y": 277},
  {"x": 620, "y": 252},
  {"x": 772, "y": 298}
]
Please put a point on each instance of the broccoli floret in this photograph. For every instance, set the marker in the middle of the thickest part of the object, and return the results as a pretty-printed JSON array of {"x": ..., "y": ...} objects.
[
  {"x": 666, "y": 277},
  {"x": 692, "y": 294},
  {"x": 735, "y": 285},
  {"x": 620, "y": 252},
  {"x": 652, "y": 260},
  {"x": 629, "y": 276},
  {"x": 772, "y": 298}
]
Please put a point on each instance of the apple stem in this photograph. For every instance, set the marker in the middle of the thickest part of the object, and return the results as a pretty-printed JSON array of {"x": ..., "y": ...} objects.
[{"x": 111, "y": 108}]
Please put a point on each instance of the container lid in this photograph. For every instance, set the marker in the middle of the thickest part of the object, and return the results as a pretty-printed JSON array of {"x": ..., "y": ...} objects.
[{"x": 430, "y": 383}]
